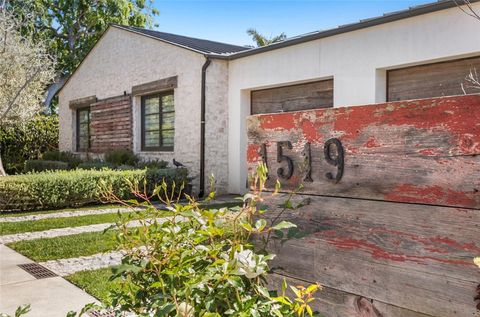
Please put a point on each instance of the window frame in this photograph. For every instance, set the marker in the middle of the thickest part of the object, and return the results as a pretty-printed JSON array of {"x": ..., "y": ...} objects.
[
  {"x": 161, "y": 147},
  {"x": 78, "y": 148}
]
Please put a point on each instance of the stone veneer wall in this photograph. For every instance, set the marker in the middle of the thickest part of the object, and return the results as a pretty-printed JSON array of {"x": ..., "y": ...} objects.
[
  {"x": 111, "y": 124},
  {"x": 216, "y": 125},
  {"x": 122, "y": 60}
]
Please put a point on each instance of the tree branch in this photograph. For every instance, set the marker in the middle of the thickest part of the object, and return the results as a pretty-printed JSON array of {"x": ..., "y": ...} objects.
[
  {"x": 12, "y": 103},
  {"x": 470, "y": 11}
]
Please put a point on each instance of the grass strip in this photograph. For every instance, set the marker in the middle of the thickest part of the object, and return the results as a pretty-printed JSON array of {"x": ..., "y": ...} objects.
[
  {"x": 53, "y": 223},
  {"x": 42, "y": 212},
  {"x": 72, "y": 246},
  {"x": 96, "y": 283}
]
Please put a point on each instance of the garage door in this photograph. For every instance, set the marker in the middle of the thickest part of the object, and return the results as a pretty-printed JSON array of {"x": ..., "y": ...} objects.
[
  {"x": 431, "y": 80},
  {"x": 312, "y": 95}
]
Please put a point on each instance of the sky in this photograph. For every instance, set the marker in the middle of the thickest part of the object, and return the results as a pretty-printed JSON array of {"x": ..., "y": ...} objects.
[{"x": 227, "y": 20}]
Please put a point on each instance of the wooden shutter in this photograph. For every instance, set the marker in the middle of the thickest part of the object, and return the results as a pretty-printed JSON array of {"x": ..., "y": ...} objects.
[
  {"x": 312, "y": 95},
  {"x": 431, "y": 80}
]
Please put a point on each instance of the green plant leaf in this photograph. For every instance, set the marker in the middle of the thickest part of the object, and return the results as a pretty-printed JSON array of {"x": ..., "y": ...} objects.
[
  {"x": 284, "y": 225},
  {"x": 260, "y": 224}
]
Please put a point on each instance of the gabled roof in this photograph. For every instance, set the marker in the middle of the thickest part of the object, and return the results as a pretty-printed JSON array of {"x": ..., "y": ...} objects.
[{"x": 195, "y": 44}]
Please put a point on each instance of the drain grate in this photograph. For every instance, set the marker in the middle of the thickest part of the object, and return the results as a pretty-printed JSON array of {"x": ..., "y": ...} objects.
[
  {"x": 37, "y": 271},
  {"x": 98, "y": 313}
]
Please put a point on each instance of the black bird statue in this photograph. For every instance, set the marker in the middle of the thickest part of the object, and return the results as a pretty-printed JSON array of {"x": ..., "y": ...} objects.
[{"x": 177, "y": 164}]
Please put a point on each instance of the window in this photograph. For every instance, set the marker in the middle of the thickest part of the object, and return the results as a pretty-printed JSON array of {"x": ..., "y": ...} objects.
[
  {"x": 158, "y": 118},
  {"x": 83, "y": 129}
]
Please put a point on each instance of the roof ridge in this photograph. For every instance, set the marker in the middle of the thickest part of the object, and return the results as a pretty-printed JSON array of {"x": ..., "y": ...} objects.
[{"x": 140, "y": 29}]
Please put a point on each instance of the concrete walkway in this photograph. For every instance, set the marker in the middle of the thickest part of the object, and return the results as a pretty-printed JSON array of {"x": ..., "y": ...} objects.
[
  {"x": 67, "y": 214},
  {"x": 50, "y": 297}
]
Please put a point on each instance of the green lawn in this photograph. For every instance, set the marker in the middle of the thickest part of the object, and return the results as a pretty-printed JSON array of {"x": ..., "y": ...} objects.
[
  {"x": 96, "y": 283},
  {"x": 52, "y": 223},
  {"x": 71, "y": 246},
  {"x": 41, "y": 212}
]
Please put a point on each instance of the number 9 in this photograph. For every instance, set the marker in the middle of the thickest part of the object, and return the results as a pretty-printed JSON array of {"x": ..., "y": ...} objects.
[{"x": 338, "y": 161}]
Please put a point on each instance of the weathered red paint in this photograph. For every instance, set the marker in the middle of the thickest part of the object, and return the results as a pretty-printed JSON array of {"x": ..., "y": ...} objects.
[
  {"x": 310, "y": 132},
  {"x": 437, "y": 244},
  {"x": 430, "y": 195},
  {"x": 429, "y": 152},
  {"x": 379, "y": 253},
  {"x": 456, "y": 115},
  {"x": 281, "y": 121},
  {"x": 253, "y": 153},
  {"x": 371, "y": 143}
]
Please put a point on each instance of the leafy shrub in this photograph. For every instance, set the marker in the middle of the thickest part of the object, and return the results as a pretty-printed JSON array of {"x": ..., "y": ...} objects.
[
  {"x": 125, "y": 167},
  {"x": 67, "y": 157},
  {"x": 121, "y": 157},
  {"x": 71, "y": 188},
  {"x": 21, "y": 141},
  {"x": 201, "y": 262},
  {"x": 94, "y": 165},
  {"x": 44, "y": 165},
  {"x": 153, "y": 164}
]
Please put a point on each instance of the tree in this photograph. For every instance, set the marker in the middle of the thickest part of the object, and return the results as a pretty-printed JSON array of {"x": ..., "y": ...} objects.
[
  {"x": 26, "y": 69},
  {"x": 472, "y": 80},
  {"x": 262, "y": 40},
  {"x": 72, "y": 27}
]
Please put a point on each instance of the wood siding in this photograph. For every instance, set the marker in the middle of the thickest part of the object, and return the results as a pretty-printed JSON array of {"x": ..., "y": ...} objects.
[
  {"x": 292, "y": 98},
  {"x": 396, "y": 236},
  {"x": 111, "y": 124},
  {"x": 431, "y": 80}
]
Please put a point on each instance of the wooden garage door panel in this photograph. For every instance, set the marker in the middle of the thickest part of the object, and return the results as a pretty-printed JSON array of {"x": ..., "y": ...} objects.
[
  {"x": 432, "y": 80},
  {"x": 292, "y": 98}
]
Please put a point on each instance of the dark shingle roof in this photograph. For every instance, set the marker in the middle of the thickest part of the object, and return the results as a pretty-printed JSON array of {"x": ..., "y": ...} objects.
[{"x": 200, "y": 45}]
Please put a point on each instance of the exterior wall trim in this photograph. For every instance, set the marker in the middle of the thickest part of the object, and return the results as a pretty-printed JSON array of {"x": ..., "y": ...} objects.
[
  {"x": 82, "y": 102},
  {"x": 164, "y": 84}
]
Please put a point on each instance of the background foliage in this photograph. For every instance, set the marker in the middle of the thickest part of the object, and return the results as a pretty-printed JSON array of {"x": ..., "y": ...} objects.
[
  {"x": 73, "y": 27},
  {"x": 21, "y": 141}
]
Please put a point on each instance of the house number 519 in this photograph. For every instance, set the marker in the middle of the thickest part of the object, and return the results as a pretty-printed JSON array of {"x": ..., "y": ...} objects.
[{"x": 286, "y": 172}]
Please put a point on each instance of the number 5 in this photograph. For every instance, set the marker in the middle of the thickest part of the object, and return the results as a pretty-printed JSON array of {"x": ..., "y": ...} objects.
[{"x": 280, "y": 158}]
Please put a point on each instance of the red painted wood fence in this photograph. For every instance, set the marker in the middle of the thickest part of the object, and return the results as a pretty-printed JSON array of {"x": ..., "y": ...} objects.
[{"x": 392, "y": 226}]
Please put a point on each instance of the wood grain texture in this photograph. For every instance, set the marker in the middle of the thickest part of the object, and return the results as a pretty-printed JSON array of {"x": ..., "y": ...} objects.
[
  {"x": 155, "y": 86},
  {"x": 82, "y": 102},
  {"x": 431, "y": 80},
  {"x": 422, "y": 151},
  {"x": 111, "y": 124},
  {"x": 292, "y": 98},
  {"x": 331, "y": 302},
  {"x": 411, "y": 256}
]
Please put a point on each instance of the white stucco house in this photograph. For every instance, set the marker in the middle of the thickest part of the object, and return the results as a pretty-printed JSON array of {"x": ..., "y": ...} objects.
[{"x": 167, "y": 96}]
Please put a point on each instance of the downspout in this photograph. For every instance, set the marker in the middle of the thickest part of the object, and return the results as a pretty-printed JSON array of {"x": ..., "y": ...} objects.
[{"x": 202, "y": 127}]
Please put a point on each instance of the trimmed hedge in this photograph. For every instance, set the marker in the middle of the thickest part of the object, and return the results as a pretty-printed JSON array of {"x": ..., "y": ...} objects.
[
  {"x": 94, "y": 165},
  {"x": 21, "y": 141},
  {"x": 60, "y": 189},
  {"x": 44, "y": 165}
]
